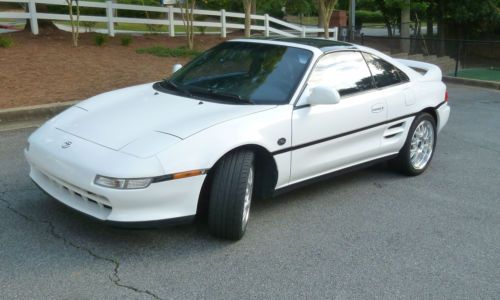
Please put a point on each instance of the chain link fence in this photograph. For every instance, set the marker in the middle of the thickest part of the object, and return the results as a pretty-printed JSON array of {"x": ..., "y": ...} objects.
[{"x": 471, "y": 58}]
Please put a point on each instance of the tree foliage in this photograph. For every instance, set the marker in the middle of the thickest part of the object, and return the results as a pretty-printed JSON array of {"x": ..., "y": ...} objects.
[{"x": 462, "y": 18}]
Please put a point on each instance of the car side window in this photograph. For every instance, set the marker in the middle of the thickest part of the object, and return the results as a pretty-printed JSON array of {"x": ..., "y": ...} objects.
[
  {"x": 384, "y": 73},
  {"x": 344, "y": 71}
]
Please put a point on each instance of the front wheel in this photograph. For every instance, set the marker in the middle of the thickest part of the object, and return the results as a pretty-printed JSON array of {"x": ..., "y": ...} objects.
[
  {"x": 231, "y": 195},
  {"x": 416, "y": 154}
]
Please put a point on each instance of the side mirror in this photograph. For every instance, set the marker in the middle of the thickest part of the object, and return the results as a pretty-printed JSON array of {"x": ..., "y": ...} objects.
[
  {"x": 323, "y": 95},
  {"x": 176, "y": 68}
]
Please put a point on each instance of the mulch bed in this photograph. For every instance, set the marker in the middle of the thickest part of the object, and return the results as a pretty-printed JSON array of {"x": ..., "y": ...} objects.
[{"x": 47, "y": 68}]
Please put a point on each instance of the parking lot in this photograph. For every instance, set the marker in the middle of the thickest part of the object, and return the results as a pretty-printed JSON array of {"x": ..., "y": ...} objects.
[{"x": 369, "y": 234}]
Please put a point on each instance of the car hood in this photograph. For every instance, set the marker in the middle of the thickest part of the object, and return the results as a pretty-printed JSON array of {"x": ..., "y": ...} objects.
[{"x": 118, "y": 118}]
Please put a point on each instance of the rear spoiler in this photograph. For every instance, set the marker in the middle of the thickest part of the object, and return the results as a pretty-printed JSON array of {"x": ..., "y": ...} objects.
[{"x": 429, "y": 72}]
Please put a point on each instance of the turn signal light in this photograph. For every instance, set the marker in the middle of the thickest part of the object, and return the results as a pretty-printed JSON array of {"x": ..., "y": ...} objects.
[{"x": 188, "y": 174}]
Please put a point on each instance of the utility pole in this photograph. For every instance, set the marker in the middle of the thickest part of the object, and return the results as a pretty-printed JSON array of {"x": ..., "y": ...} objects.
[
  {"x": 405, "y": 27},
  {"x": 352, "y": 19}
]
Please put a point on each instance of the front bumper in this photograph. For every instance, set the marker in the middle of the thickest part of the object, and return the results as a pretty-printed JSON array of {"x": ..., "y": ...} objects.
[{"x": 68, "y": 176}]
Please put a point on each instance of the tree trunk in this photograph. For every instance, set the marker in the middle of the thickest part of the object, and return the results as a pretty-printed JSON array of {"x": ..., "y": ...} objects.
[
  {"x": 440, "y": 27},
  {"x": 326, "y": 8},
  {"x": 389, "y": 28},
  {"x": 405, "y": 27},
  {"x": 247, "y": 5},
  {"x": 254, "y": 11},
  {"x": 188, "y": 18},
  {"x": 430, "y": 19}
]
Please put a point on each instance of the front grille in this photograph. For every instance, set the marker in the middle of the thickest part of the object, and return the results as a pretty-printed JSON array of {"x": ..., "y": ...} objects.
[{"x": 79, "y": 193}]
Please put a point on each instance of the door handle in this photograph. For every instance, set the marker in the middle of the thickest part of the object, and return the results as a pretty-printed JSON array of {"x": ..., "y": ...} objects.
[{"x": 377, "y": 108}]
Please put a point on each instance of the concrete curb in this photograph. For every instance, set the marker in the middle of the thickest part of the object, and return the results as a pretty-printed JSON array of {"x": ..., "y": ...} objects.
[
  {"x": 29, "y": 113},
  {"x": 473, "y": 82}
]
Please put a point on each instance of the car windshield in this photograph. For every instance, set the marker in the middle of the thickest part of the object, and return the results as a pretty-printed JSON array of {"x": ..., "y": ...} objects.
[{"x": 243, "y": 72}]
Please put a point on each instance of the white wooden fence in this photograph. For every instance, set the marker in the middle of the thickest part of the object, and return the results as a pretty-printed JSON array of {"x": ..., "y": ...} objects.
[{"x": 173, "y": 18}]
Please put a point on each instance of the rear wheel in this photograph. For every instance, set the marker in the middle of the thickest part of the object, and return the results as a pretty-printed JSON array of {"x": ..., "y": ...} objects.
[
  {"x": 231, "y": 195},
  {"x": 416, "y": 154}
]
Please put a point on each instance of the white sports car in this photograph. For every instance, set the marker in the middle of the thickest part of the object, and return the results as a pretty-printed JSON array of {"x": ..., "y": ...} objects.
[{"x": 245, "y": 119}]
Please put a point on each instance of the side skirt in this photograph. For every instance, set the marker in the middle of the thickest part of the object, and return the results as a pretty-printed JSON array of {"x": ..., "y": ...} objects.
[{"x": 323, "y": 177}]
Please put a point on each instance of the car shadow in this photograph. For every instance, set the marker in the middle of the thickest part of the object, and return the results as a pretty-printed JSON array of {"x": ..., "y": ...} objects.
[{"x": 181, "y": 240}]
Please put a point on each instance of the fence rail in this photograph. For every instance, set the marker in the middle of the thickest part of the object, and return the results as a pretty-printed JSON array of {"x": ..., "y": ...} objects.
[{"x": 221, "y": 19}]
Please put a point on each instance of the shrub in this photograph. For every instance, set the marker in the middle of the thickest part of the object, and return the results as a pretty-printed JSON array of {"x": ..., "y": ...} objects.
[
  {"x": 6, "y": 42},
  {"x": 89, "y": 26},
  {"x": 126, "y": 40},
  {"x": 100, "y": 39},
  {"x": 366, "y": 16},
  {"x": 168, "y": 52}
]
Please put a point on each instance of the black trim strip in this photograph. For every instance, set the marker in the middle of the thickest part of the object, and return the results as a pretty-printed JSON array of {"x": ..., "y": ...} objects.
[
  {"x": 396, "y": 125},
  {"x": 338, "y": 135},
  {"x": 441, "y": 104},
  {"x": 300, "y": 184},
  {"x": 301, "y": 106},
  {"x": 292, "y": 148}
]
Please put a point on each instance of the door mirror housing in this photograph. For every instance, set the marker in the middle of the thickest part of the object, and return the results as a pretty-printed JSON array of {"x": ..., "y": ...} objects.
[
  {"x": 323, "y": 95},
  {"x": 176, "y": 68}
]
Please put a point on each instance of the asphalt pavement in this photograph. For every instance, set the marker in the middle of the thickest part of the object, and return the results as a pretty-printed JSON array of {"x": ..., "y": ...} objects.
[{"x": 369, "y": 234}]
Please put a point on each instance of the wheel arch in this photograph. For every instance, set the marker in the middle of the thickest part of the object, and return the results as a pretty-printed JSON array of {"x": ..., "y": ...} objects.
[
  {"x": 432, "y": 111},
  {"x": 266, "y": 173}
]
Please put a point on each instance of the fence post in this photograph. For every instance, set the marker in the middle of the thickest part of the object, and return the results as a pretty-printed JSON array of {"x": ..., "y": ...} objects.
[
  {"x": 303, "y": 32},
  {"x": 33, "y": 18},
  {"x": 171, "y": 26},
  {"x": 223, "y": 32},
  {"x": 109, "y": 15},
  {"x": 336, "y": 33},
  {"x": 266, "y": 25}
]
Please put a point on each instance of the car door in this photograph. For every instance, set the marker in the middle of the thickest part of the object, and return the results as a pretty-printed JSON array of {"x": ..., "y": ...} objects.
[
  {"x": 329, "y": 137},
  {"x": 400, "y": 100}
]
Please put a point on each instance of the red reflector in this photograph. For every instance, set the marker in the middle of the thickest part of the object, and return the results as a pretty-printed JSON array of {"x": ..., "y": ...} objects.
[{"x": 446, "y": 96}]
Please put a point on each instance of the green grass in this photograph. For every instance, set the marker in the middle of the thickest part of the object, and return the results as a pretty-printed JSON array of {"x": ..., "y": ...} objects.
[
  {"x": 6, "y": 42},
  {"x": 491, "y": 74},
  {"x": 126, "y": 40},
  {"x": 168, "y": 52}
]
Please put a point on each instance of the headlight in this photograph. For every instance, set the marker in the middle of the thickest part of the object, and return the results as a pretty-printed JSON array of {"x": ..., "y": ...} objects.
[{"x": 122, "y": 184}]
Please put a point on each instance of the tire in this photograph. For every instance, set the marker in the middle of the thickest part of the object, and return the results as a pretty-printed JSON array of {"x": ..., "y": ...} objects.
[
  {"x": 231, "y": 195},
  {"x": 418, "y": 150}
]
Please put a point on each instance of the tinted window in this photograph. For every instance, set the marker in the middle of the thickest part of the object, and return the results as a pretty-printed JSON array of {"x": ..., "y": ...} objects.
[
  {"x": 383, "y": 72},
  {"x": 344, "y": 71},
  {"x": 257, "y": 73}
]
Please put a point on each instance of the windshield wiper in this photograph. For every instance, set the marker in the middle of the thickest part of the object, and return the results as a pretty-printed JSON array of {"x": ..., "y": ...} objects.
[
  {"x": 231, "y": 96},
  {"x": 176, "y": 87},
  {"x": 219, "y": 94}
]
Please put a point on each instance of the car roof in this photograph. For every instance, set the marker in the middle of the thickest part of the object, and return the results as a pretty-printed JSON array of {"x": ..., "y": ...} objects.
[{"x": 319, "y": 43}]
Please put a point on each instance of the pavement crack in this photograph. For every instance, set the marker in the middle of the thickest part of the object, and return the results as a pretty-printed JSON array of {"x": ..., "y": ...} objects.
[{"x": 114, "y": 278}]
